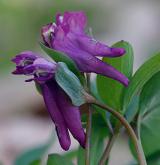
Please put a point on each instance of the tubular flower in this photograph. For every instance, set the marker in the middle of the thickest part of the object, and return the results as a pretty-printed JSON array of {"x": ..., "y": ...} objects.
[
  {"x": 65, "y": 116},
  {"x": 67, "y": 35}
]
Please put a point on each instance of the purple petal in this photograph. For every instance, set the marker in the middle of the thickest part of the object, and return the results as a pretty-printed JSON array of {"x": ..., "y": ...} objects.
[
  {"x": 40, "y": 65},
  {"x": 29, "y": 70},
  {"x": 72, "y": 117},
  {"x": 18, "y": 71},
  {"x": 59, "y": 36},
  {"x": 41, "y": 69},
  {"x": 97, "y": 66},
  {"x": 24, "y": 59},
  {"x": 61, "y": 128},
  {"x": 26, "y": 55},
  {"x": 43, "y": 64},
  {"x": 98, "y": 49},
  {"x": 76, "y": 20}
]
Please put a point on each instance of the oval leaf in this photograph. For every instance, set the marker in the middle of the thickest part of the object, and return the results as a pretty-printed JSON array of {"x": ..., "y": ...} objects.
[
  {"x": 69, "y": 82},
  {"x": 132, "y": 108},
  {"x": 142, "y": 75},
  {"x": 109, "y": 88},
  {"x": 150, "y": 115},
  {"x": 94, "y": 92}
]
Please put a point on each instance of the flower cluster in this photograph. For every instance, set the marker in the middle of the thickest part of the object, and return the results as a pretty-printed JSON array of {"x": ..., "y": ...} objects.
[{"x": 67, "y": 35}]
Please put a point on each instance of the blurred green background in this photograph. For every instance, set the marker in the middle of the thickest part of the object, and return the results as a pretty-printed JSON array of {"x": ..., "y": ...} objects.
[
  {"x": 22, "y": 112},
  {"x": 21, "y": 22}
]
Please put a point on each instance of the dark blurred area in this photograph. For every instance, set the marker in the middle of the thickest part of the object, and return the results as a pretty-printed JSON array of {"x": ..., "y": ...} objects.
[{"x": 23, "y": 121}]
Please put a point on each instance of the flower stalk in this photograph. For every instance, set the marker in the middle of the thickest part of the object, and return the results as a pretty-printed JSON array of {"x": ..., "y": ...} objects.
[
  {"x": 124, "y": 122},
  {"x": 88, "y": 136},
  {"x": 110, "y": 144},
  {"x": 88, "y": 127}
]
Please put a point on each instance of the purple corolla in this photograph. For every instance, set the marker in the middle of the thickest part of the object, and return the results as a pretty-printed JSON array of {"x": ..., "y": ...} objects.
[
  {"x": 65, "y": 116},
  {"x": 67, "y": 35}
]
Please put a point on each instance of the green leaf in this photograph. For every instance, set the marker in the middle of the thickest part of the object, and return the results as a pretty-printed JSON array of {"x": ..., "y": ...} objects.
[
  {"x": 32, "y": 156},
  {"x": 69, "y": 82},
  {"x": 149, "y": 111},
  {"x": 132, "y": 108},
  {"x": 142, "y": 75},
  {"x": 81, "y": 156},
  {"x": 94, "y": 92},
  {"x": 61, "y": 57},
  {"x": 70, "y": 154},
  {"x": 98, "y": 135},
  {"x": 110, "y": 90},
  {"x": 56, "y": 159}
]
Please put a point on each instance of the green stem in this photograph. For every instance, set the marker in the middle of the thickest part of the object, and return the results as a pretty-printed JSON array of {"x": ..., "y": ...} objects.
[
  {"x": 124, "y": 122},
  {"x": 106, "y": 153},
  {"x": 88, "y": 127},
  {"x": 88, "y": 137},
  {"x": 110, "y": 143},
  {"x": 139, "y": 134}
]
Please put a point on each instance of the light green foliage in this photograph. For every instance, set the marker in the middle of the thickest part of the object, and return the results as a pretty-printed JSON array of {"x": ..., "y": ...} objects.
[
  {"x": 150, "y": 115},
  {"x": 68, "y": 81},
  {"x": 142, "y": 75}
]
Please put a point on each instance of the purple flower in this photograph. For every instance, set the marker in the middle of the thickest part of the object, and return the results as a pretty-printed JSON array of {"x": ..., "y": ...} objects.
[
  {"x": 67, "y": 35},
  {"x": 65, "y": 116}
]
